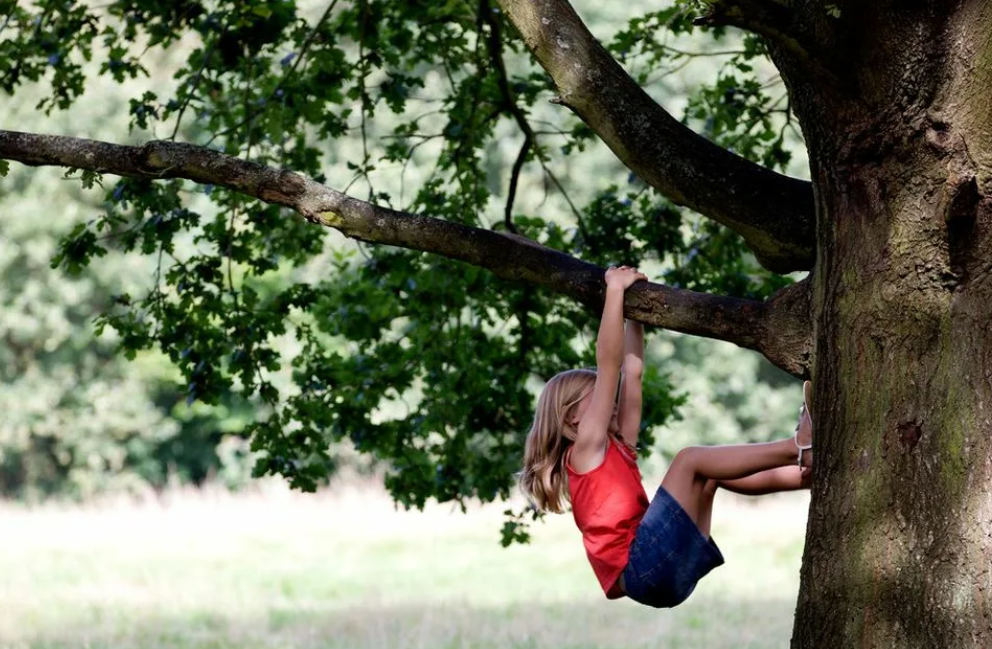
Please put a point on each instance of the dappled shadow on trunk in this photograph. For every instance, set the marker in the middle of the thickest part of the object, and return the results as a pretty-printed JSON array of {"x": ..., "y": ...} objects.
[{"x": 710, "y": 623}]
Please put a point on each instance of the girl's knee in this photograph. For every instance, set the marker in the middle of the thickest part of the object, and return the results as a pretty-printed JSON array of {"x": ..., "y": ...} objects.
[
  {"x": 685, "y": 464},
  {"x": 686, "y": 458}
]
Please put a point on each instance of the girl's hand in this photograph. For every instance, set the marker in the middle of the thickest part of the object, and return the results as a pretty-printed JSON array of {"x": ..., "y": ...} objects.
[{"x": 623, "y": 276}]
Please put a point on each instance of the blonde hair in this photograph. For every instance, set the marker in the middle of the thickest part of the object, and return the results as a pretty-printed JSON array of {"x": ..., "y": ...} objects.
[{"x": 543, "y": 479}]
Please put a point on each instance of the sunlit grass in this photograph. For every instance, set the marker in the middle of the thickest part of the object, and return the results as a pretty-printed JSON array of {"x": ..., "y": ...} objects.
[{"x": 344, "y": 569}]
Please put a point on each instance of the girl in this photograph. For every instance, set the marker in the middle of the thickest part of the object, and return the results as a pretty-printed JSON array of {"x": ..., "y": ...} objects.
[{"x": 583, "y": 442}]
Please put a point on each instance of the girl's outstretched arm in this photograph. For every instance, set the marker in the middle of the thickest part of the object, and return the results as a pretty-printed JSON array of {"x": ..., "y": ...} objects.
[
  {"x": 594, "y": 421},
  {"x": 629, "y": 408}
]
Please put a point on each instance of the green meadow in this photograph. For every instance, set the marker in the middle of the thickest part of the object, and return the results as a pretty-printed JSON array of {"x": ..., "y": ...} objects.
[{"x": 345, "y": 569}]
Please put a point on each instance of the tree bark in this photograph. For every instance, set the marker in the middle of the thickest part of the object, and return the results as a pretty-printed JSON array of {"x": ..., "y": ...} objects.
[{"x": 899, "y": 541}]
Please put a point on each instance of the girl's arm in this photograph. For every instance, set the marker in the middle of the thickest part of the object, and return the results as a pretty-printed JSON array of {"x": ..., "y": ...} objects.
[
  {"x": 591, "y": 436},
  {"x": 629, "y": 408}
]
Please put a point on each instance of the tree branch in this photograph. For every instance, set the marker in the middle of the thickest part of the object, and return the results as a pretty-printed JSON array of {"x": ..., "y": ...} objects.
[
  {"x": 744, "y": 322},
  {"x": 772, "y": 212}
]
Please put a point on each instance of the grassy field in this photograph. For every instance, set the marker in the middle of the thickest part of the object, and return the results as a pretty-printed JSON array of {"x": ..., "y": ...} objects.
[{"x": 343, "y": 569}]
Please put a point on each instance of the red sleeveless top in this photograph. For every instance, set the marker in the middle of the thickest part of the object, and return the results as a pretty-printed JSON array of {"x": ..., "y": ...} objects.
[{"x": 608, "y": 503}]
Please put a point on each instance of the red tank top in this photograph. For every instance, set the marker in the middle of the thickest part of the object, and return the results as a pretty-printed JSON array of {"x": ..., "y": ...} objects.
[{"x": 608, "y": 503}]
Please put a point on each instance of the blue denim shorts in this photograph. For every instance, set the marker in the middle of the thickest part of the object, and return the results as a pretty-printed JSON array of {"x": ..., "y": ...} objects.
[{"x": 668, "y": 555}]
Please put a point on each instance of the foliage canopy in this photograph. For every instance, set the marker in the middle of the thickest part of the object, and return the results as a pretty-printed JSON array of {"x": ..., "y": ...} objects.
[{"x": 420, "y": 361}]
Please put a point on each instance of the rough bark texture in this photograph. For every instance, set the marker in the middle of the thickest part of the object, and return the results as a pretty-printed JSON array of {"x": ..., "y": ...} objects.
[
  {"x": 899, "y": 541},
  {"x": 744, "y": 322}
]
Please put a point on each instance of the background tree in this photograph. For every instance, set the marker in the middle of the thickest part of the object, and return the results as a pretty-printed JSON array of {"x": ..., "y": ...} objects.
[{"x": 890, "y": 98}]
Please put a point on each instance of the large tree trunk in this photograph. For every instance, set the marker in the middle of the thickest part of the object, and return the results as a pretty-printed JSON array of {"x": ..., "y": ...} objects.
[{"x": 899, "y": 542}]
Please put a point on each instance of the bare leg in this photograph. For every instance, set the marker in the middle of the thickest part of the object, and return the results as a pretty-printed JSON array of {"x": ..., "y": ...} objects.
[
  {"x": 705, "y": 501},
  {"x": 694, "y": 467},
  {"x": 752, "y": 469},
  {"x": 784, "y": 478}
]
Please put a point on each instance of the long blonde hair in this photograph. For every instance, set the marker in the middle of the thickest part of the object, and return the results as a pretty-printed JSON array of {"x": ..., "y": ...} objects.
[{"x": 543, "y": 479}]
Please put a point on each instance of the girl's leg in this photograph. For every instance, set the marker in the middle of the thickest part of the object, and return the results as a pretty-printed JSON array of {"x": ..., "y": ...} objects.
[
  {"x": 693, "y": 468},
  {"x": 784, "y": 478},
  {"x": 705, "y": 501},
  {"x": 752, "y": 469}
]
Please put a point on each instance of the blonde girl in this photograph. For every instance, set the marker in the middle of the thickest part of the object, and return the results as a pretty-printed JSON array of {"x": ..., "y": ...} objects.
[{"x": 581, "y": 448}]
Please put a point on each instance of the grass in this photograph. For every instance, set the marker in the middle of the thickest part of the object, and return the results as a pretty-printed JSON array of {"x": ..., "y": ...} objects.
[{"x": 344, "y": 569}]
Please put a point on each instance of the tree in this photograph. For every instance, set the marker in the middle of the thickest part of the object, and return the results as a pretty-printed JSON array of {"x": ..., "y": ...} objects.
[{"x": 890, "y": 322}]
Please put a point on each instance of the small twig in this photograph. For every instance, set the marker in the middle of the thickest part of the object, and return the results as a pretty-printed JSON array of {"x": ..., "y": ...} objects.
[
  {"x": 178, "y": 261},
  {"x": 119, "y": 233},
  {"x": 158, "y": 271},
  {"x": 192, "y": 89},
  {"x": 775, "y": 80},
  {"x": 668, "y": 71},
  {"x": 514, "y": 178},
  {"x": 363, "y": 74},
  {"x": 411, "y": 136},
  {"x": 230, "y": 245},
  {"x": 701, "y": 53},
  {"x": 409, "y": 157}
]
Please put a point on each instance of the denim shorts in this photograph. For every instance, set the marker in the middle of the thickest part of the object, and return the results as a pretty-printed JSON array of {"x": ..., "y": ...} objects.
[{"x": 668, "y": 555}]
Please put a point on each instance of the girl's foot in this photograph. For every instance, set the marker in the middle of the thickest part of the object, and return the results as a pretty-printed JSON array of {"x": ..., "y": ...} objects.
[{"x": 804, "y": 428}]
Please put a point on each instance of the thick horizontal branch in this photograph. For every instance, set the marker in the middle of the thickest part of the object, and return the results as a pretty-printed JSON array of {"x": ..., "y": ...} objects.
[
  {"x": 772, "y": 212},
  {"x": 744, "y": 322}
]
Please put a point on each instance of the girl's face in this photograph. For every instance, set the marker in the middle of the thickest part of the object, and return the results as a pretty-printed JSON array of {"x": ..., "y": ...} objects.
[{"x": 580, "y": 409}]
